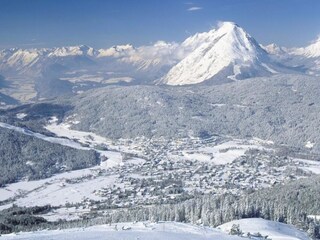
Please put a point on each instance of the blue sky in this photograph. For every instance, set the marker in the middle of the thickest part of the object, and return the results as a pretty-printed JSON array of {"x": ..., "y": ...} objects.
[{"x": 103, "y": 23}]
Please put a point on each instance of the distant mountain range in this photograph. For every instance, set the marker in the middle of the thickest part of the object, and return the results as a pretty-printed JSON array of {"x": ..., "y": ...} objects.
[{"x": 221, "y": 55}]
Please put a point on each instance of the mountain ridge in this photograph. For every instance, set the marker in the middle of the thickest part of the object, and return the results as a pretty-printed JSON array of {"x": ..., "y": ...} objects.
[
  {"x": 228, "y": 46},
  {"x": 225, "y": 54}
]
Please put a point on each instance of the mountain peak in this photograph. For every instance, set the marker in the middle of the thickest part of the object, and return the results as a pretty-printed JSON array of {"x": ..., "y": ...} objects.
[
  {"x": 274, "y": 49},
  {"x": 227, "y": 52},
  {"x": 313, "y": 50},
  {"x": 116, "y": 51},
  {"x": 77, "y": 50},
  {"x": 228, "y": 25}
]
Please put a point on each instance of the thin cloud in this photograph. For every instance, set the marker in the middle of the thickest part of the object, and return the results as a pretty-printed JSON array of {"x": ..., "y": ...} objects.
[
  {"x": 191, "y": 9},
  {"x": 30, "y": 44}
]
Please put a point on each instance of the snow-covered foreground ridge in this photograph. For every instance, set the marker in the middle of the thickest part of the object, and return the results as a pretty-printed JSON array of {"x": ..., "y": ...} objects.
[
  {"x": 162, "y": 231},
  {"x": 274, "y": 230}
]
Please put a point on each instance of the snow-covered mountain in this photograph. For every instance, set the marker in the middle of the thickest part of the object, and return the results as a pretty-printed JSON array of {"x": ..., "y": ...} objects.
[
  {"x": 307, "y": 58},
  {"x": 228, "y": 52},
  {"x": 126, "y": 58},
  {"x": 116, "y": 51},
  {"x": 274, "y": 49},
  {"x": 310, "y": 51},
  {"x": 33, "y": 61},
  {"x": 221, "y": 55},
  {"x": 81, "y": 50},
  {"x": 304, "y": 59},
  {"x": 18, "y": 60}
]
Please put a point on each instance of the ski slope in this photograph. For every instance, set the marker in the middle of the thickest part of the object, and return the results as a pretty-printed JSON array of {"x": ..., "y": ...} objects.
[
  {"x": 274, "y": 230},
  {"x": 167, "y": 231},
  {"x": 130, "y": 231}
]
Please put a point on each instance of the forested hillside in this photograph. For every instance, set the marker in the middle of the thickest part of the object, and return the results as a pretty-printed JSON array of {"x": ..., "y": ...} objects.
[
  {"x": 31, "y": 158},
  {"x": 283, "y": 108},
  {"x": 294, "y": 203}
]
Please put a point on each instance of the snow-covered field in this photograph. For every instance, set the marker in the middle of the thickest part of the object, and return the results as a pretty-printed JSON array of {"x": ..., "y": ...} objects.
[
  {"x": 166, "y": 231},
  {"x": 69, "y": 187},
  {"x": 274, "y": 230},
  {"x": 57, "y": 190},
  {"x": 63, "y": 130},
  {"x": 309, "y": 165},
  {"x": 221, "y": 154}
]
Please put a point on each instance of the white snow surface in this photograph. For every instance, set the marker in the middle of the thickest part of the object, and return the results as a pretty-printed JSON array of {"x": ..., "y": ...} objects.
[
  {"x": 130, "y": 231},
  {"x": 310, "y": 51},
  {"x": 308, "y": 165},
  {"x": 275, "y": 230},
  {"x": 166, "y": 230},
  {"x": 72, "y": 51},
  {"x": 21, "y": 115},
  {"x": 116, "y": 51},
  {"x": 275, "y": 49},
  {"x": 223, "y": 153},
  {"x": 22, "y": 60},
  {"x": 19, "y": 58},
  {"x": 227, "y": 46},
  {"x": 309, "y": 144},
  {"x": 63, "y": 130}
]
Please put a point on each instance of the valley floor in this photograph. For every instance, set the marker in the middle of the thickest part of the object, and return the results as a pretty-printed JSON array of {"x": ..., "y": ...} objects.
[{"x": 145, "y": 172}]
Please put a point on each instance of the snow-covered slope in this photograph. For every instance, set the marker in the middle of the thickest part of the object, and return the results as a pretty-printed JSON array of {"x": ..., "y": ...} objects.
[
  {"x": 274, "y": 230},
  {"x": 17, "y": 61},
  {"x": 307, "y": 58},
  {"x": 115, "y": 51},
  {"x": 274, "y": 49},
  {"x": 310, "y": 51},
  {"x": 194, "y": 41},
  {"x": 198, "y": 58},
  {"x": 130, "y": 231},
  {"x": 149, "y": 62},
  {"x": 72, "y": 51},
  {"x": 165, "y": 230},
  {"x": 229, "y": 49}
]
